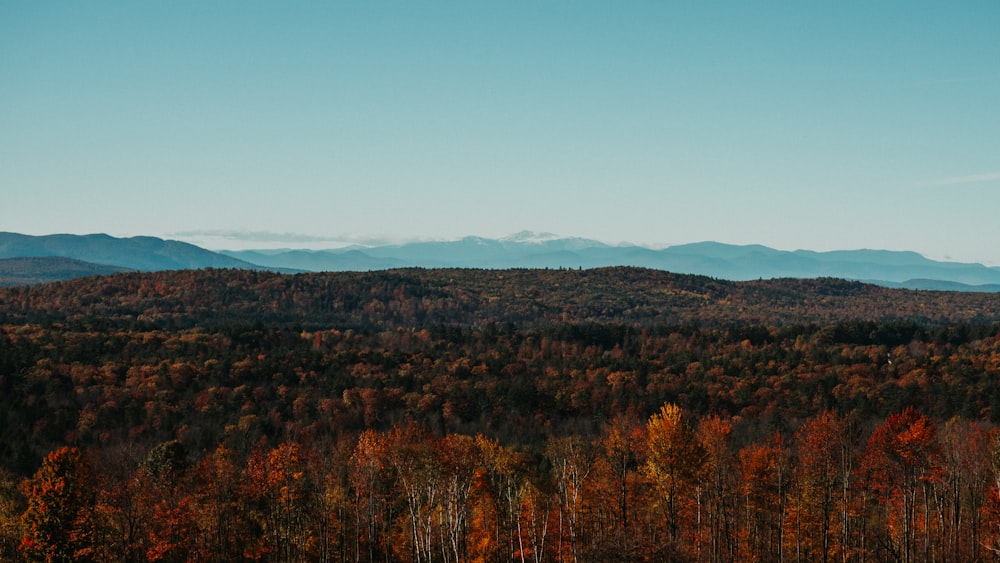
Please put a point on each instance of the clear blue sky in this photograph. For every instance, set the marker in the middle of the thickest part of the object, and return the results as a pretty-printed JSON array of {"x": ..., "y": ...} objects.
[{"x": 816, "y": 125}]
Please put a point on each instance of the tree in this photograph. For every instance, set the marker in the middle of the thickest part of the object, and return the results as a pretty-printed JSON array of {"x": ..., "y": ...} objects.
[
  {"x": 963, "y": 486},
  {"x": 819, "y": 471},
  {"x": 713, "y": 436},
  {"x": 623, "y": 445},
  {"x": 418, "y": 475},
  {"x": 11, "y": 508},
  {"x": 764, "y": 484},
  {"x": 898, "y": 461},
  {"x": 57, "y": 523},
  {"x": 505, "y": 474},
  {"x": 675, "y": 461},
  {"x": 459, "y": 459},
  {"x": 991, "y": 507},
  {"x": 123, "y": 503},
  {"x": 170, "y": 537},
  {"x": 369, "y": 479},
  {"x": 281, "y": 488},
  {"x": 152, "y": 499},
  {"x": 571, "y": 464},
  {"x": 165, "y": 461},
  {"x": 219, "y": 508}
]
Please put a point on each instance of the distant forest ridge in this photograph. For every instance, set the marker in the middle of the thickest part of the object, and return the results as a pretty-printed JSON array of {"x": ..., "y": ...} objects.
[
  {"x": 415, "y": 298},
  {"x": 35, "y": 270}
]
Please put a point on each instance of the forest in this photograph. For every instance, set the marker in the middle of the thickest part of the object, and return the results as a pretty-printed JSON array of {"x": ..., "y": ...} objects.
[{"x": 616, "y": 414}]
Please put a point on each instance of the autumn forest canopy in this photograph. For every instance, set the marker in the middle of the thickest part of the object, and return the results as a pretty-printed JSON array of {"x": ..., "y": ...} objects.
[{"x": 615, "y": 414}]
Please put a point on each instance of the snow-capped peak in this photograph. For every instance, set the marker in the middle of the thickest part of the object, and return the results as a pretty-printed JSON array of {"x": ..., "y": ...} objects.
[{"x": 531, "y": 237}]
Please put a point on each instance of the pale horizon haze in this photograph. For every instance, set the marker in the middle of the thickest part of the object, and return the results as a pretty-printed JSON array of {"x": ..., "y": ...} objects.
[{"x": 819, "y": 126}]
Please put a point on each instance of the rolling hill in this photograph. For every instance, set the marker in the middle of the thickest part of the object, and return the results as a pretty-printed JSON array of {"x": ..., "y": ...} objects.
[
  {"x": 35, "y": 270},
  {"x": 471, "y": 297}
]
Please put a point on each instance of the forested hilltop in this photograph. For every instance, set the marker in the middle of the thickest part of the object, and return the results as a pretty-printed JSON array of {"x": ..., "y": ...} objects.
[
  {"x": 615, "y": 414},
  {"x": 418, "y": 298}
]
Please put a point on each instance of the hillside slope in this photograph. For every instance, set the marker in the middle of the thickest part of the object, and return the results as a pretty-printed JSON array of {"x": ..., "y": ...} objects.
[
  {"x": 44, "y": 269},
  {"x": 418, "y": 298}
]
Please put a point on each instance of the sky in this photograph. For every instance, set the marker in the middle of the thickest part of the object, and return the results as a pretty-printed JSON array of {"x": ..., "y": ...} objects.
[{"x": 797, "y": 125}]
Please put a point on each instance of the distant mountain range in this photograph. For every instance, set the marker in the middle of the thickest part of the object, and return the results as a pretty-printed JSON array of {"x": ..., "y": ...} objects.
[
  {"x": 60, "y": 257},
  {"x": 529, "y": 250},
  {"x": 138, "y": 253},
  {"x": 523, "y": 250}
]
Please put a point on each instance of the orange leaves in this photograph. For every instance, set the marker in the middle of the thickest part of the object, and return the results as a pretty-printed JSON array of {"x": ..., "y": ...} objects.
[
  {"x": 284, "y": 496},
  {"x": 670, "y": 488},
  {"x": 900, "y": 450},
  {"x": 764, "y": 483},
  {"x": 170, "y": 538},
  {"x": 285, "y": 473},
  {"x": 821, "y": 445},
  {"x": 763, "y": 467},
  {"x": 713, "y": 435},
  {"x": 56, "y": 519},
  {"x": 899, "y": 463}
]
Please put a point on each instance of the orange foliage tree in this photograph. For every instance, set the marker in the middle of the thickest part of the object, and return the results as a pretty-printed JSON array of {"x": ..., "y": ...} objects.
[
  {"x": 675, "y": 464},
  {"x": 815, "y": 486},
  {"x": 58, "y": 526},
  {"x": 899, "y": 463},
  {"x": 764, "y": 481}
]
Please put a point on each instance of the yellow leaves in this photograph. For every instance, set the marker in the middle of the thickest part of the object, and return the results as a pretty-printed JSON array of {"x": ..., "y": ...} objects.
[
  {"x": 673, "y": 450},
  {"x": 669, "y": 417}
]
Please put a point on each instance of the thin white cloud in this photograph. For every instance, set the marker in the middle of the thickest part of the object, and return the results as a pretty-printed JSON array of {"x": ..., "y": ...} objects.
[
  {"x": 255, "y": 236},
  {"x": 222, "y": 239},
  {"x": 962, "y": 180}
]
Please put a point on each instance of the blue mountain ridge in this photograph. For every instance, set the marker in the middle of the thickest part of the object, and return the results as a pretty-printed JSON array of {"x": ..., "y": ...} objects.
[
  {"x": 136, "y": 253},
  {"x": 719, "y": 260},
  {"x": 903, "y": 269}
]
